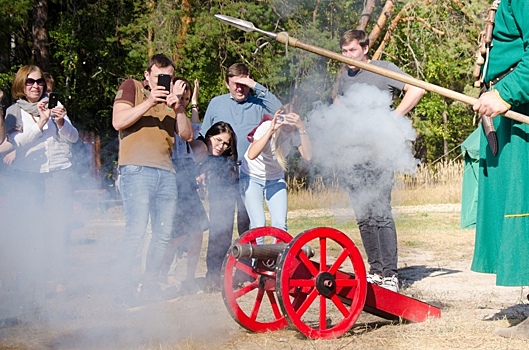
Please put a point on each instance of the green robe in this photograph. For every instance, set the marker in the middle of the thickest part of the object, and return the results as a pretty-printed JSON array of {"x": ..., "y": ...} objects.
[{"x": 502, "y": 228}]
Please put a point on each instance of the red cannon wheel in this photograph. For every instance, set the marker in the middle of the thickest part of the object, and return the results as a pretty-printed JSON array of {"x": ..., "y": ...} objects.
[
  {"x": 334, "y": 283},
  {"x": 253, "y": 304}
]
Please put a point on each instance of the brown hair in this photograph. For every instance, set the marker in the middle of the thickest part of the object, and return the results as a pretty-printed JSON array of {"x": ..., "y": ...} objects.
[
  {"x": 237, "y": 69},
  {"x": 354, "y": 34},
  {"x": 160, "y": 60},
  {"x": 19, "y": 82},
  {"x": 50, "y": 82},
  {"x": 189, "y": 87}
]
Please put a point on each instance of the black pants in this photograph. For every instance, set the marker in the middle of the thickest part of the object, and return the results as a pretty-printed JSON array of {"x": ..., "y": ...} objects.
[
  {"x": 370, "y": 188},
  {"x": 223, "y": 197}
]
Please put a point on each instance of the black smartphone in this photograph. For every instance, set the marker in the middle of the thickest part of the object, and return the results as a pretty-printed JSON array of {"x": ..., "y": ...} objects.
[
  {"x": 165, "y": 81},
  {"x": 53, "y": 99}
]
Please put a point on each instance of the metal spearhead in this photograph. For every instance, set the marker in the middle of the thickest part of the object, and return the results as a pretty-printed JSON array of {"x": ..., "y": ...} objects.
[
  {"x": 244, "y": 25},
  {"x": 284, "y": 38}
]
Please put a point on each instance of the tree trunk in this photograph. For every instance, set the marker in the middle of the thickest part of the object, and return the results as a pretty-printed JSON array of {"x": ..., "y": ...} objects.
[
  {"x": 41, "y": 56},
  {"x": 393, "y": 25},
  {"x": 387, "y": 11},
  {"x": 366, "y": 14},
  {"x": 185, "y": 21}
]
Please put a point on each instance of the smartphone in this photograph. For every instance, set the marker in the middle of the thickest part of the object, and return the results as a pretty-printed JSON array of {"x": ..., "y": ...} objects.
[
  {"x": 165, "y": 81},
  {"x": 53, "y": 99}
]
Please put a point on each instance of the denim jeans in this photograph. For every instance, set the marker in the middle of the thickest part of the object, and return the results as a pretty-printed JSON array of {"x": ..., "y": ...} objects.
[
  {"x": 146, "y": 192},
  {"x": 274, "y": 192}
]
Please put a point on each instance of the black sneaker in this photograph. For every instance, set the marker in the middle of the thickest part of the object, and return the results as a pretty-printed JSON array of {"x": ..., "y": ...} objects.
[
  {"x": 152, "y": 292},
  {"x": 189, "y": 287}
]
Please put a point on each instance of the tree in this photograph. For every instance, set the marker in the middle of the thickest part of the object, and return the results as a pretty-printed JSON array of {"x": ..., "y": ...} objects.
[
  {"x": 92, "y": 46},
  {"x": 41, "y": 55}
]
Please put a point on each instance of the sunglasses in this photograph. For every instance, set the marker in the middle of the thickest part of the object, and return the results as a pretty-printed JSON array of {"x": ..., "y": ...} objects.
[{"x": 39, "y": 81}]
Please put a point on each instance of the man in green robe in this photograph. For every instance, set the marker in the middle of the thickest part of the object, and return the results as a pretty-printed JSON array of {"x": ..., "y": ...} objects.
[{"x": 502, "y": 228}]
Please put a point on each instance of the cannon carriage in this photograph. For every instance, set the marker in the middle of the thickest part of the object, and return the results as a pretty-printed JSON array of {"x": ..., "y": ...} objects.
[{"x": 315, "y": 282}]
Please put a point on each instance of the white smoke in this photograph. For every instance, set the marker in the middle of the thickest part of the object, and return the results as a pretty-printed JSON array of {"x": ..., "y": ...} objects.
[{"x": 361, "y": 128}]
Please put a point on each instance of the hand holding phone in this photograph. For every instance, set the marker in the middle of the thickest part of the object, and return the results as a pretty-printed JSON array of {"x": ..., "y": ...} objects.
[
  {"x": 165, "y": 81},
  {"x": 53, "y": 99}
]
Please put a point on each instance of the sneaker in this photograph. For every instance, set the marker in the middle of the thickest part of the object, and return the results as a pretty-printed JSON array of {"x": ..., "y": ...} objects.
[
  {"x": 391, "y": 283},
  {"x": 152, "y": 292},
  {"x": 374, "y": 278},
  {"x": 188, "y": 287}
]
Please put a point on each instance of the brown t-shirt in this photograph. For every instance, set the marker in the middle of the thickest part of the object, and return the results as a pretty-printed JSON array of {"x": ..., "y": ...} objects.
[{"x": 149, "y": 141}]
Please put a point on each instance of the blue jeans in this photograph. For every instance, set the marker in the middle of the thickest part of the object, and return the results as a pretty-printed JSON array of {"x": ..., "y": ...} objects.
[
  {"x": 274, "y": 192},
  {"x": 146, "y": 192}
]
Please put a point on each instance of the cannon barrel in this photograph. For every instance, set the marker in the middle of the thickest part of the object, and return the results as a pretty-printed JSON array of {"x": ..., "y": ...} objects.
[{"x": 264, "y": 251}]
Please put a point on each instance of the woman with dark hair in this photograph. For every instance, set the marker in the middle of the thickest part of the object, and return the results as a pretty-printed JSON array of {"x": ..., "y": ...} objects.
[
  {"x": 41, "y": 176},
  {"x": 218, "y": 168}
]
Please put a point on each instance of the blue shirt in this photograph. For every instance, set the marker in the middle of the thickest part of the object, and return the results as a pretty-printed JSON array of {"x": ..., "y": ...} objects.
[{"x": 242, "y": 116}]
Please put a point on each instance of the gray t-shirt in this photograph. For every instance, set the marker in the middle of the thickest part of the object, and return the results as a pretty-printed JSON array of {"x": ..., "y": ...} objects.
[{"x": 350, "y": 77}]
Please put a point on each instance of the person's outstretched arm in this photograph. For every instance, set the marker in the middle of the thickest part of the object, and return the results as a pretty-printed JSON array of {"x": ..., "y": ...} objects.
[{"x": 412, "y": 96}]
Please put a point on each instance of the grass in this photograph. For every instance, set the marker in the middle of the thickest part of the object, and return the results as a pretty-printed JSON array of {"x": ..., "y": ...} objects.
[
  {"x": 432, "y": 184},
  {"x": 434, "y": 259}
]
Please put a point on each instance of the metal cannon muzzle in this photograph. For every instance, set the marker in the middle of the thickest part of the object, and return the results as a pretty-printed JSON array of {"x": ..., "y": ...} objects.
[{"x": 264, "y": 251}]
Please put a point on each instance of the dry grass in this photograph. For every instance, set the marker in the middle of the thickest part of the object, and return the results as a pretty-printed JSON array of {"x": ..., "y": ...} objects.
[
  {"x": 432, "y": 184},
  {"x": 434, "y": 259}
]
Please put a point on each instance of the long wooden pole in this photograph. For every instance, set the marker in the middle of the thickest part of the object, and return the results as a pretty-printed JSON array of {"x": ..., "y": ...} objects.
[{"x": 287, "y": 40}]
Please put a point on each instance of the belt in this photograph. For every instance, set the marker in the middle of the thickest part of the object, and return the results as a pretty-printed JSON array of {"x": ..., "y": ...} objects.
[{"x": 490, "y": 84}]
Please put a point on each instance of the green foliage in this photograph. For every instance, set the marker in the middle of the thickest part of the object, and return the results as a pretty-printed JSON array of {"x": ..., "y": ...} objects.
[
  {"x": 97, "y": 44},
  {"x": 15, "y": 30},
  {"x": 439, "y": 49}
]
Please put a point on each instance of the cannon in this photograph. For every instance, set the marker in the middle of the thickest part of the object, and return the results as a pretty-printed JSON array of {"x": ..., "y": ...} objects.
[{"x": 315, "y": 282}]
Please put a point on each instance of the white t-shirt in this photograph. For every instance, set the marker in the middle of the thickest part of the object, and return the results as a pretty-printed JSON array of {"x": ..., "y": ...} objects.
[{"x": 265, "y": 166}]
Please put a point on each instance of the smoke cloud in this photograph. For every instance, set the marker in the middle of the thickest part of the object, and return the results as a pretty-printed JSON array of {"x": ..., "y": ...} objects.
[
  {"x": 362, "y": 128},
  {"x": 362, "y": 141}
]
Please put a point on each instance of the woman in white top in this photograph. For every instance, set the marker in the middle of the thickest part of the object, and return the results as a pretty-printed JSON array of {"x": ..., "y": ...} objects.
[
  {"x": 263, "y": 168},
  {"x": 41, "y": 178}
]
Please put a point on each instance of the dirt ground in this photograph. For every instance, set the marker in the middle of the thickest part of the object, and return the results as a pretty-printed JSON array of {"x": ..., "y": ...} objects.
[{"x": 471, "y": 305}]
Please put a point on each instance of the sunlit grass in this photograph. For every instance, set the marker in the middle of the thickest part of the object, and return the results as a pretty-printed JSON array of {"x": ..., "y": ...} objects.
[{"x": 437, "y": 184}]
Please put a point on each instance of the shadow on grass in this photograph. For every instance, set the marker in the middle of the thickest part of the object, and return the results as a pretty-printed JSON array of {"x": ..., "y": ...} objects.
[
  {"x": 514, "y": 314},
  {"x": 411, "y": 274}
]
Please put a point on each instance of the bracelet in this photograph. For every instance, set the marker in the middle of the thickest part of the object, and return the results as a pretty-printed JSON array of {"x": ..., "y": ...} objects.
[
  {"x": 304, "y": 132},
  {"x": 194, "y": 105}
]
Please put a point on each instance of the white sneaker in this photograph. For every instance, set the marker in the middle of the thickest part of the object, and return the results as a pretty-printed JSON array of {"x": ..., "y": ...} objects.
[
  {"x": 391, "y": 283},
  {"x": 374, "y": 278}
]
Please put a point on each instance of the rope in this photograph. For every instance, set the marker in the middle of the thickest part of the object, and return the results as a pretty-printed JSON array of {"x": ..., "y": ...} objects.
[{"x": 286, "y": 43}]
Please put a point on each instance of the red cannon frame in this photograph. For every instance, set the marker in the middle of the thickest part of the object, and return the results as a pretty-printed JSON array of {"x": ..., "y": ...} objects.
[{"x": 268, "y": 286}]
